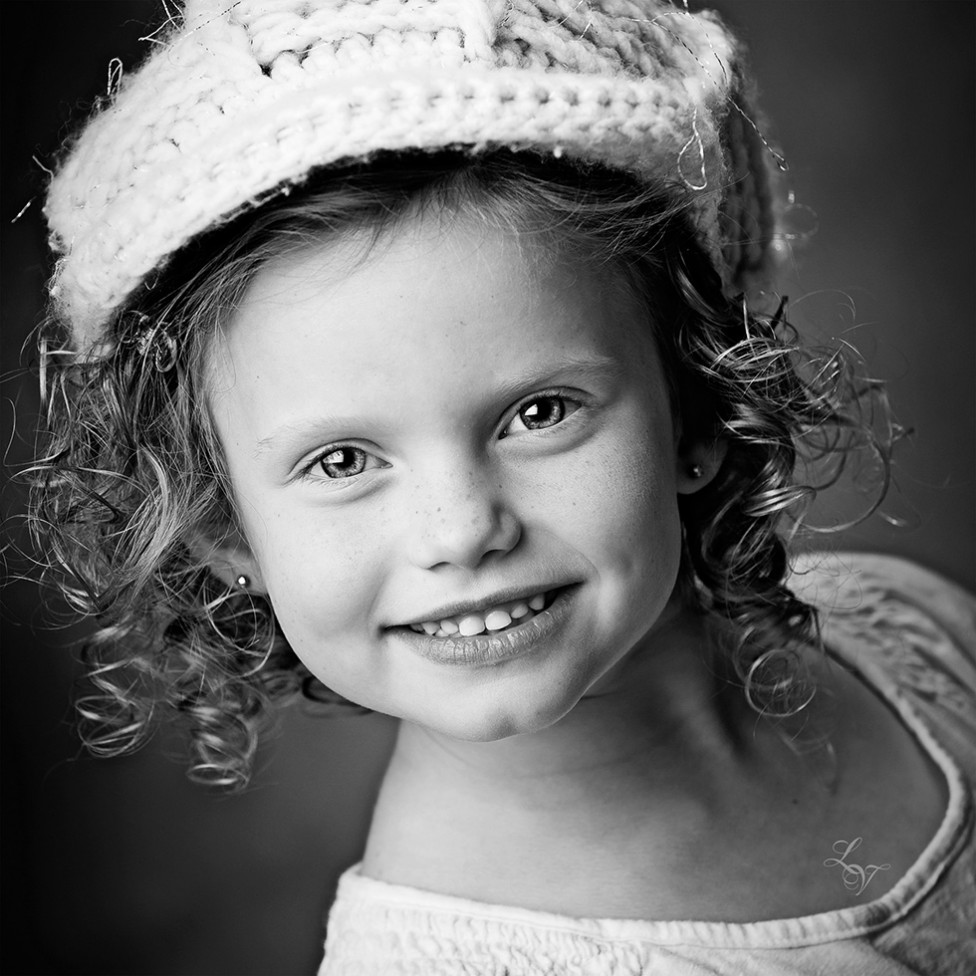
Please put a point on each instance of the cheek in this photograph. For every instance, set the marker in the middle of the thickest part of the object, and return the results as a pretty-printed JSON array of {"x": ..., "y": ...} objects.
[
  {"x": 635, "y": 524},
  {"x": 323, "y": 605},
  {"x": 322, "y": 573},
  {"x": 619, "y": 494}
]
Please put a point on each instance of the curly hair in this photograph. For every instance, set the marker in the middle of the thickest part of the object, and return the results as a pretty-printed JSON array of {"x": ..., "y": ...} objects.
[{"x": 131, "y": 495}]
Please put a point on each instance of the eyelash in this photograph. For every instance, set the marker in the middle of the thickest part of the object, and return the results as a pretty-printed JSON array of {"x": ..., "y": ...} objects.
[{"x": 566, "y": 402}]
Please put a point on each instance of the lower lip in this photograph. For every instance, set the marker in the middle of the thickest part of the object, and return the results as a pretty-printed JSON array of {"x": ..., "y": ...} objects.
[{"x": 486, "y": 649}]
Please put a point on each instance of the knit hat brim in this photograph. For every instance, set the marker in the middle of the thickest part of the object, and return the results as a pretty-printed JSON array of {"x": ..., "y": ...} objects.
[{"x": 206, "y": 129}]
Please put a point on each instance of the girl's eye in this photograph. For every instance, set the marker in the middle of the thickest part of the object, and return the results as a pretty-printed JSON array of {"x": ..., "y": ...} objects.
[
  {"x": 543, "y": 411},
  {"x": 343, "y": 462}
]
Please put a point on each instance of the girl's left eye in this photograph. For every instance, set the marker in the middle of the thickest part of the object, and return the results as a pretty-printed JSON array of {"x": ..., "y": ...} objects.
[
  {"x": 542, "y": 411},
  {"x": 343, "y": 462}
]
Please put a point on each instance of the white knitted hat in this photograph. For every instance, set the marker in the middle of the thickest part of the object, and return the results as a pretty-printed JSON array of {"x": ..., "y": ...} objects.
[{"x": 242, "y": 98}]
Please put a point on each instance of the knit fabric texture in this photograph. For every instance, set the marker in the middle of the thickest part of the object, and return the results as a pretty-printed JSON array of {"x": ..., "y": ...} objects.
[{"x": 240, "y": 100}]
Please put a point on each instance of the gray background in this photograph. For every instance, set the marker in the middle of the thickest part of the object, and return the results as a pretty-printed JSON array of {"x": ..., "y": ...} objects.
[{"x": 122, "y": 866}]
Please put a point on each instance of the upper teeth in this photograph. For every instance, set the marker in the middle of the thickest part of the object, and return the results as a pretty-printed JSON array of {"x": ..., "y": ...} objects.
[{"x": 472, "y": 624}]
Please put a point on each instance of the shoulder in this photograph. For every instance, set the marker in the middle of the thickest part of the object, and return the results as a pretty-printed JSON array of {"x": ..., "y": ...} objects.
[
  {"x": 915, "y": 624},
  {"x": 892, "y": 572},
  {"x": 848, "y": 582}
]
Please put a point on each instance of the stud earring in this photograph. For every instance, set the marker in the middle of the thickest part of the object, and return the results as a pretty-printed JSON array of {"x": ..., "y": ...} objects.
[
  {"x": 695, "y": 470},
  {"x": 243, "y": 581}
]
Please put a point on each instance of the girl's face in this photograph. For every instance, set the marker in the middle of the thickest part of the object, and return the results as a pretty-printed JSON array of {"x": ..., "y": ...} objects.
[{"x": 446, "y": 437}]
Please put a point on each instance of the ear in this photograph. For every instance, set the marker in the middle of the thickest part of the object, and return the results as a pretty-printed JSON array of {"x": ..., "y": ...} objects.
[
  {"x": 230, "y": 559},
  {"x": 698, "y": 463}
]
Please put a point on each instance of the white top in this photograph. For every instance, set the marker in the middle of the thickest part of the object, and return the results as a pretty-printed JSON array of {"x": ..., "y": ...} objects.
[{"x": 911, "y": 636}]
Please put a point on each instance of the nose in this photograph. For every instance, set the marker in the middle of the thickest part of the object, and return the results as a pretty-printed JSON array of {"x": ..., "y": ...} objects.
[{"x": 463, "y": 520}]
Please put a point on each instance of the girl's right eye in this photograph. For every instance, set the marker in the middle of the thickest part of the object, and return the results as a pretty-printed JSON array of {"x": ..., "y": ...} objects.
[{"x": 339, "y": 463}]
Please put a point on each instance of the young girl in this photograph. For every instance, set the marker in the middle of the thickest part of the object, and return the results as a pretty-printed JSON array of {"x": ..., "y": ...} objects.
[{"x": 422, "y": 357}]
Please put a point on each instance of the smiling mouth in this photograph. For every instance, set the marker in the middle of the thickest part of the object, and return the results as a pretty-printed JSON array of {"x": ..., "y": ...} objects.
[{"x": 493, "y": 620}]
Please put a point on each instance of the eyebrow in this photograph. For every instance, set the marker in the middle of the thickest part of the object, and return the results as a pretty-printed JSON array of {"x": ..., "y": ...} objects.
[
  {"x": 293, "y": 432},
  {"x": 299, "y": 430}
]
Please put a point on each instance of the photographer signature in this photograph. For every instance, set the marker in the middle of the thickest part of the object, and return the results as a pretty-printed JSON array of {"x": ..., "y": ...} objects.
[{"x": 856, "y": 878}]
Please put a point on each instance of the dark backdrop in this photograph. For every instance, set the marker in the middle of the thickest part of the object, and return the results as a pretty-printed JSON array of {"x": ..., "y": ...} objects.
[{"x": 122, "y": 866}]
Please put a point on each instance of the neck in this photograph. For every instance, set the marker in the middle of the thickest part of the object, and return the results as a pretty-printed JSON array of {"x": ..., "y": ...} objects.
[
  {"x": 655, "y": 761},
  {"x": 662, "y": 715}
]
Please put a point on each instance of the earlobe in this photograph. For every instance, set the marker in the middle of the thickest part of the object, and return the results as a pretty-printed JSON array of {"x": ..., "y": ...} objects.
[
  {"x": 230, "y": 560},
  {"x": 698, "y": 464}
]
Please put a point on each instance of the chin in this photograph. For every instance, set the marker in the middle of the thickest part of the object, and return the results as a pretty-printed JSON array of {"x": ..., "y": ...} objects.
[{"x": 491, "y": 722}]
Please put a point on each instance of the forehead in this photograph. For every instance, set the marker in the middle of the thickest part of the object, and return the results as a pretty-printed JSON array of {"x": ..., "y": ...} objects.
[{"x": 350, "y": 319}]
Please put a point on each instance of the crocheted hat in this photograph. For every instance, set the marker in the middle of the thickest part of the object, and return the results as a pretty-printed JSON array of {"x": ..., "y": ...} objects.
[{"x": 243, "y": 99}]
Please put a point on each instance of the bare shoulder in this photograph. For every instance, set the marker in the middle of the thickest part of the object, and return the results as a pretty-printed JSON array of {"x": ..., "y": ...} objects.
[
  {"x": 792, "y": 845},
  {"x": 891, "y": 794}
]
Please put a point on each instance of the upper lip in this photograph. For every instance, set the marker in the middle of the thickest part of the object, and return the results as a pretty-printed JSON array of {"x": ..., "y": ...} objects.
[{"x": 483, "y": 603}]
